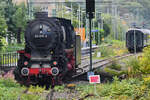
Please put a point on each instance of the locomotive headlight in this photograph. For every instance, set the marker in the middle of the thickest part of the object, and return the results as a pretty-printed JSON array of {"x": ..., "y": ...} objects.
[
  {"x": 55, "y": 63},
  {"x": 25, "y": 63},
  {"x": 25, "y": 71},
  {"x": 55, "y": 71},
  {"x": 51, "y": 52},
  {"x": 48, "y": 30}
]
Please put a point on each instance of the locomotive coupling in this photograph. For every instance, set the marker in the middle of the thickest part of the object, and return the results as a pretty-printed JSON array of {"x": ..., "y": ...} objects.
[
  {"x": 25, "y": 71},
  {"x": 55, "y": 71}
]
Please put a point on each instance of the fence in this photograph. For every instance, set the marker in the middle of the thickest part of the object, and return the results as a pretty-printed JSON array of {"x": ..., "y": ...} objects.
[{"x": 8, "y": 60}]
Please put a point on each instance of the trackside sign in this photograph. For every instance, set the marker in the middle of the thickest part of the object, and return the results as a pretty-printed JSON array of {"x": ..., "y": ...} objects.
[{"x": 94, "y": 79}]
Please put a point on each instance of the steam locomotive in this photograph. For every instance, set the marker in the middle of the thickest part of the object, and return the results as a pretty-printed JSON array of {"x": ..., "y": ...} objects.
[
  {"x": 137, "y": 39},
  {"x": 52, "y": 51}
]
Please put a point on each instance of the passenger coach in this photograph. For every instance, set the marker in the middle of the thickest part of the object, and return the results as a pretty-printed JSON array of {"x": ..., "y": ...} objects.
[{"x": 139, "y": 40}]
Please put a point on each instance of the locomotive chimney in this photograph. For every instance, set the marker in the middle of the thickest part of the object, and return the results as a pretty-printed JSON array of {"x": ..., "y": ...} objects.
[{"x": 41, "y": 14}]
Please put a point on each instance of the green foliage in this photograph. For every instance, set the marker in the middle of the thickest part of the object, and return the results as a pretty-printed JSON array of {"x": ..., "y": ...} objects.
[
  {"x": 103, "y": 33},
  {"x": 30, "y": 97},
  {"x": 144, "y": 61},
  {"x": 133, "y": 66},
  {"x": 59, "y": 88},
  {"x": 117, "y": 48},
  {"x": 10, "y": 90},
  {"x": 115, "y": 66},
  {"x": 119, "y": 44},
  {"x": 12, "y": 17},
  {"x": 141, "y": 65},
  {"x": 8, "y": 83},
  {"x": 3, "y": 44},
  {"x": 98, "y": 36},
  {"x": 137, "y": 7},
  {"x": 3, "y": 30},
  {"x": 113, "y": 72},
  {"x": 105, "y": 52},
  {"x": 107, "y": 24},
  {"x": 114, "y": 69},
  {"x": 132, "y": 89},
  {"x": 3, "y": 26},
  {"x": 20, "y": 17},
  {"x": 107, "y": 27},
  {"x": 36, "y": 89},
  {"x": 14, "y": 47},
  {"x": 9, "y": 11}
]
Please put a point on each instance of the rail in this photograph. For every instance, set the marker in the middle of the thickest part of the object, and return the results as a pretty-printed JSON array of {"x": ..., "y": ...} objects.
[
  {"x": 86, "y": 50},
  {"x": 98, "y": 64}
]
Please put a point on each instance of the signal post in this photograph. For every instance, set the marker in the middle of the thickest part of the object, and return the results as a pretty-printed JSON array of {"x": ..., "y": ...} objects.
[{"x": 90, "y": 9}]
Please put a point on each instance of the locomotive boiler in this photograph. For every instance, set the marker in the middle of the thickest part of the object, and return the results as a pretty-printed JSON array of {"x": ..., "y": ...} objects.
[{"x": 51, "y": 53}]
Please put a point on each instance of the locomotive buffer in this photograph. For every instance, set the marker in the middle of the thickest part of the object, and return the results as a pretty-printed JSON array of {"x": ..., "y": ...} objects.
[{"x": 90, "y": 9}]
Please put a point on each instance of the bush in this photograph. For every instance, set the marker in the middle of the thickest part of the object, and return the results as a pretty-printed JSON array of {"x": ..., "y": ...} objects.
[
  {"x": 145, "y": 61},
  {"x": 118, "y": 44},
  {"x": 106, "y": 52},
  {"x": 115, "y": 66},
  {"x": 10, "y": 90},
  {"x": 133, "y": 67},
  {"x": 132, "y": 89},
  {"x": 117, "y": 48},
  {"x": 141, "y": 65},
  {"x": 3, "y": 44},
  {"x": 14, "y": 47}
]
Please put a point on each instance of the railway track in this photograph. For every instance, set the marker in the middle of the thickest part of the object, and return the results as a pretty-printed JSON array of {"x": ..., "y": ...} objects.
[
  {"x": 84, "y": 67},
  {"x": 86, "y": 51},
  {"x": 96, "y": 64}
]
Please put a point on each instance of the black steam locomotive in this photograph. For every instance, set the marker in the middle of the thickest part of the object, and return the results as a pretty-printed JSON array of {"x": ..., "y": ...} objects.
[
  {"x": 50, "y": 51},
  {"x": 137, "y": 39}
]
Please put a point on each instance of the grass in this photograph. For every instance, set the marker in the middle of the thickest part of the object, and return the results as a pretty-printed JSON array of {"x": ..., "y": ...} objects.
[
  {"x": 129, "y": 89},
  {"x": 10, "y": 90}
]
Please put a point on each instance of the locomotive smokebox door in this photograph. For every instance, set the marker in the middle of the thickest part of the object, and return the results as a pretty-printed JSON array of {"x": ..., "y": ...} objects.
[{"x": 78, "y": 50}]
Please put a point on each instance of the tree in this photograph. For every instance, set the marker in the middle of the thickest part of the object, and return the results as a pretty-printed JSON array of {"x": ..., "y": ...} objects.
[
  {"x": 3, "y": 26},
  {"x": 138, "y": 8},
  {"x": 3, "y": 31},
  {"x": 19, "y": 19},
  {"x": 10, "y": 9}
]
